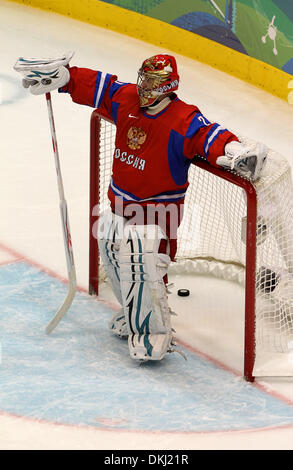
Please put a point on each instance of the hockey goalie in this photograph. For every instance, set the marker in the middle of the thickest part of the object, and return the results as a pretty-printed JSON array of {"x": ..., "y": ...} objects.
[{"x": 157, "y": 136}]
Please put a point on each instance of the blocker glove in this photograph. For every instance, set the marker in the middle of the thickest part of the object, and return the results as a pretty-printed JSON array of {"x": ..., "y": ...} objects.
[
  {"x": 246, "y": 160},
  {"x": 44, "y": 75}
]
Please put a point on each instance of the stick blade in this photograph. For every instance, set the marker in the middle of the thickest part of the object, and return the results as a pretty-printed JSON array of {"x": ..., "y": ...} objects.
[{"x": 64, "y": 307}]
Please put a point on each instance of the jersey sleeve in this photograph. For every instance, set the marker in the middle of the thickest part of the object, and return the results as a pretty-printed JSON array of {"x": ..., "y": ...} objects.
[
  {"x": 206, "y": 139},
  {"x": 92, "y": 88}
]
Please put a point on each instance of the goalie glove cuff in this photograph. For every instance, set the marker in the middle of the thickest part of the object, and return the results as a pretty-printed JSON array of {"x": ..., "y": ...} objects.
[{"x": 27, "y": 65}]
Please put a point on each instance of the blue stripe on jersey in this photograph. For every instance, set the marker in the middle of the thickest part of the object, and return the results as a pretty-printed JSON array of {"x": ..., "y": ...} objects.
[
  {"x": 198, "y": 121},
  {"x": 114, "y": 110},
  {"x": 178, "y": 164},
  {"x": 167, "y": 196},
  {"x": 102, "y": 82},
  {"x": 212, "y": 135},
  {"x": 115, "y": 87}
]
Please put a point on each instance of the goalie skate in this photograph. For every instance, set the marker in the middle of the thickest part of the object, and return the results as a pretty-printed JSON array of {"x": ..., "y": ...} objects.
[
  {"x": 149, "y": 346},
  {"x": 158, "y": 345}
]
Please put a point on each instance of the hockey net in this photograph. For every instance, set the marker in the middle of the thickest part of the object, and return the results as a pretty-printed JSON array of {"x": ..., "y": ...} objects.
[{"x": 233, "y": 230}]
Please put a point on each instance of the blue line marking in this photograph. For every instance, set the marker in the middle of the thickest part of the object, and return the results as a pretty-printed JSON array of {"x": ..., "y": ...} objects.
[{"x": 82, "y": 374}]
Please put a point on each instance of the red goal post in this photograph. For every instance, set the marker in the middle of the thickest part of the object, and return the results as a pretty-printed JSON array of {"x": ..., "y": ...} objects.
[{"x": 202, "y": 243}]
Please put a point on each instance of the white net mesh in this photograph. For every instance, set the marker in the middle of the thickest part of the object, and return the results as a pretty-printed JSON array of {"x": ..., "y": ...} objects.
[{"x": 212, "y": 241}]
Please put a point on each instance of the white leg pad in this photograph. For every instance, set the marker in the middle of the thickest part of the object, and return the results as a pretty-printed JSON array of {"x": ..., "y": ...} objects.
[
  {"x": 143, "y": 289},
  {"x": 110, "y": 234},
  {"x": 118, "y": 324}
]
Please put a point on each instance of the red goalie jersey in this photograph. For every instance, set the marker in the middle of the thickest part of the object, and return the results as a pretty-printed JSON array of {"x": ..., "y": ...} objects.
[{"x": 153, "y": 152}]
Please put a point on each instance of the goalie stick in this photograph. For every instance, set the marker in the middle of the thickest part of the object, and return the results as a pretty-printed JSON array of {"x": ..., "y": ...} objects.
[{"x": 65, "y": 226}]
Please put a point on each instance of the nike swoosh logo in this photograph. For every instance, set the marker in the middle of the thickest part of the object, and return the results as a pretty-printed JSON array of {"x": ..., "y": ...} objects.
[{"x": 132, "y": 116}]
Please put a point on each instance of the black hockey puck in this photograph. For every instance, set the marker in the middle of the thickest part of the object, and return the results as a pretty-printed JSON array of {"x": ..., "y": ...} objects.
[{"x": 183, "y": 292}]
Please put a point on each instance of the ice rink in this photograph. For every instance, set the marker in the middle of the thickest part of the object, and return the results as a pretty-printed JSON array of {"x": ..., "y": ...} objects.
[{"x": 78, "y": 389}]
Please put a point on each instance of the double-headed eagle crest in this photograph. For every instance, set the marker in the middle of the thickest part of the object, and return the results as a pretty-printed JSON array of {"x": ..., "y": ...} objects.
[{"x": 135, "y": 137}]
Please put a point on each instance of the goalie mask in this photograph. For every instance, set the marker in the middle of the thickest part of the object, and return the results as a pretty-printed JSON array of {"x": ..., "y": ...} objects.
[{"x": 157, "y": 77}]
